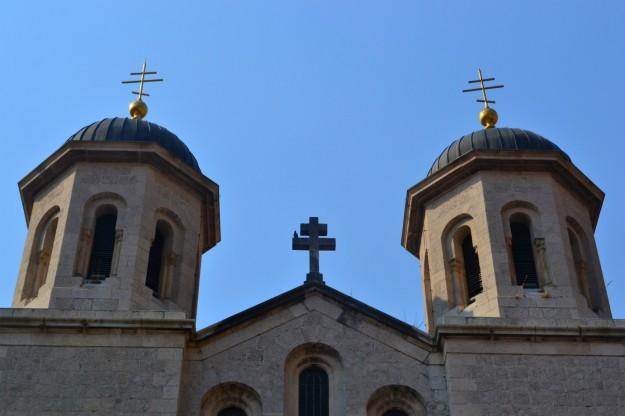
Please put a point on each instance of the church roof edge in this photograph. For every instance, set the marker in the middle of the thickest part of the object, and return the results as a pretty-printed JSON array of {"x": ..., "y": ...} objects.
[{"x": 299, "y": 294}]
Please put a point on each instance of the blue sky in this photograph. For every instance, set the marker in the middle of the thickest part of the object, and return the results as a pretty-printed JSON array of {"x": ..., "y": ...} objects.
[{"x": 326, "y": 108}]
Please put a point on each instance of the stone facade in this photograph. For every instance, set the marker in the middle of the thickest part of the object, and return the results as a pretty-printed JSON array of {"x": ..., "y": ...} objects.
[
  {"x": 141, "y": 195},
  {"x": 74, "y": 345},
  {"x": 102, "y": 363},
  {"x": 545, "y": 373},
  {"x": 96, "y": 363},
  {"x": 483, "y": 204}
]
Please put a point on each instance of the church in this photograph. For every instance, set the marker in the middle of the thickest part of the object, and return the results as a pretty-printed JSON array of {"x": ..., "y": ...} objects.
[{"x": 103, "y": 314}]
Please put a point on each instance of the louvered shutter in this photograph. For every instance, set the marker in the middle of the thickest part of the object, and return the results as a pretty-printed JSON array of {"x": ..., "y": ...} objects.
[
  {"x": 155, "y": 262},
  {"x": 472, "y": 270},
  {"x": 523, "y": 256},
  {"x": 102, "y": 248},
  {"x": 313, "y": 392}
]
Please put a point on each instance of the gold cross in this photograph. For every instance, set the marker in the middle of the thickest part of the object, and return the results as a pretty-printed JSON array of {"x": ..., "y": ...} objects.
[
  {"x": 482, "y": 88},
  {"x": 142, "y": 80},
  {"x": 138, "y": 109}
]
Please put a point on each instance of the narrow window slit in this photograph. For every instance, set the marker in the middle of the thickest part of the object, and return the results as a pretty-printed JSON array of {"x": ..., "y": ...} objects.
[
  {"x": 472, "y": 272},
  {"x": 523, "y": 255},
  {"x": 102, "y": 247},
  {"x": 313, "y": 392}
]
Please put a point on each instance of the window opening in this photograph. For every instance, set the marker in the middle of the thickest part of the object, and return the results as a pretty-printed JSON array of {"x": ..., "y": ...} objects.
[
  {"x": 102, "y": 247},
  {"x": 155, "y": 261},
  {"x": 40, "y": 261},
  {"x": 472, "y": 272},
  {"x": 395, "y": 412},
  {"x": 523, "y": 255},
  {"x": 313, "y": 392},
  {"x": 231, "y": 411}
]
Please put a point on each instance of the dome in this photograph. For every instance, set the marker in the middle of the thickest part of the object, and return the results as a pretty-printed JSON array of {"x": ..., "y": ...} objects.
[
  {"x": 502, "y": 139},
  {"x": 133, "y": 130}
]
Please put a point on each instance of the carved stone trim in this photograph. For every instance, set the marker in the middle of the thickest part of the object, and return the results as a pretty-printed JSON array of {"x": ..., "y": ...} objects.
[
  {"x": 541, "y": 262},
  {"x": 82, "y": 253},
  {"x": 119, "y": 237}
]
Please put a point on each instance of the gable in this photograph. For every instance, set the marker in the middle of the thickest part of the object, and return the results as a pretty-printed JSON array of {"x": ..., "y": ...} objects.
[
  {"x": 260, "y": 348},
  {"x": 316, "y": 297}
]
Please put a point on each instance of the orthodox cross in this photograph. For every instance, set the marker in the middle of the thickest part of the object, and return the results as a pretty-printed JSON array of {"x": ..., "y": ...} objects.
[
  {"x": 482, "y": 88},
  {"x": 142, "y": 80},
  {"x": 313, "y": 244},
  {"x": 488, "y": 116}
]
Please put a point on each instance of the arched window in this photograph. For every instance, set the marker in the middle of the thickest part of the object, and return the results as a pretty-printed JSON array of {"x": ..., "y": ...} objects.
[
  {"x": 586, "y": 280},
  {"x": 158, "y": 258},
  {"x": 472, "y": 273},
  {"x": 523, "y": 252},
  {"x": 395, "y": 400},
  {"x": 313, "y": 392},
  {"x": 395, "y": 412},
  {"x": 103, "y": 244},
  {"x": 580, "y": 265},
  {"x": 231, "y": 411},
  {"x": 231, "y": 399},
  {"x": 40, "y": 258}
]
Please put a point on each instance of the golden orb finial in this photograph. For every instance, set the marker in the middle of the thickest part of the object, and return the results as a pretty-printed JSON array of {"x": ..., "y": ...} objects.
[
  {"x": 488, "y": 116},
  {"x": 138, "y": 109}
]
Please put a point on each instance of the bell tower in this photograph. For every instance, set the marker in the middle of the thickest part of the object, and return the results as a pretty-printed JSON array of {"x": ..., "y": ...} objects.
[
  {"x": 503, "y": 225},
  {"x": 118, "y": 219}
]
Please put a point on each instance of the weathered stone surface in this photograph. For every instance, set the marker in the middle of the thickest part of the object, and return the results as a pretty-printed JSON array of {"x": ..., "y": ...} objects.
[{"x": 563, "y": 383}]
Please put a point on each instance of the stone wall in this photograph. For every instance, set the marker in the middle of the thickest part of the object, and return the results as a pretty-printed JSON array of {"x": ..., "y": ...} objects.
[
  {"x": 485, "y": 202},
  {"x": 56, "y": 194},
  {"x": 463, "y": 204},
  {"x": 142, "y": 196},
  {"x": 102, "y": 364},
  {"x": 257, "y": 355},
  {"x": 555, "y": 378}
]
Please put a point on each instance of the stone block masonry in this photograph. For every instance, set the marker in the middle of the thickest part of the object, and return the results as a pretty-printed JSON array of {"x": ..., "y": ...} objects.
[{"x": 107, "y": 367}]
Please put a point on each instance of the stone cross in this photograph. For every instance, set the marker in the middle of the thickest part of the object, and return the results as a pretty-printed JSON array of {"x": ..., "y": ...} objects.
[{"x": 313, "y": 244}]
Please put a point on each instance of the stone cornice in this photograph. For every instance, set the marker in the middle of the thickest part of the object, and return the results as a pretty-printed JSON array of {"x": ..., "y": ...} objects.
[
  {"x": 607, "y": 330},
  {"x": 46, "y": 320}
]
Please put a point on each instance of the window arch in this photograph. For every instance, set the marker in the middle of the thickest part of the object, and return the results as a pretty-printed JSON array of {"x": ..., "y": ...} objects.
[
  {"x": 464, "y": 275},
  {"x": 472, "y": 272},
  {"x": 308, "y": 369},
  {"x": 159, "y": 258},
  {"x": 39, "y": 262},
  {"x": 313, "y": 392},
  {"x": 103, "y": 244},
  {"x": 94, "y": 262},
  {"x": 588, "y": 284},
  {"x": 522, "y": 249},
  {"x": 579, "y": 264},
  {"x": 395, "y": 400},
  {"x": 231, "y": 399}
]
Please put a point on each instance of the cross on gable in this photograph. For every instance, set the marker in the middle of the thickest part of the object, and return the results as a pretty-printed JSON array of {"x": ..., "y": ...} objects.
[{"x": 313, "y": 230}]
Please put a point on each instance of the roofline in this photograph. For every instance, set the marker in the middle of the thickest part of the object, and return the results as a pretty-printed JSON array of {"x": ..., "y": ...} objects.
[
  {"x": 563, "y": 170},
  {"x": 299, "y": 294}
]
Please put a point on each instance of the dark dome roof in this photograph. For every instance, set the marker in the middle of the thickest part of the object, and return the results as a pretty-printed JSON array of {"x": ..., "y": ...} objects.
[
  {"x": 502, "y": 139},
  {"x": 133, "y": 130}
]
